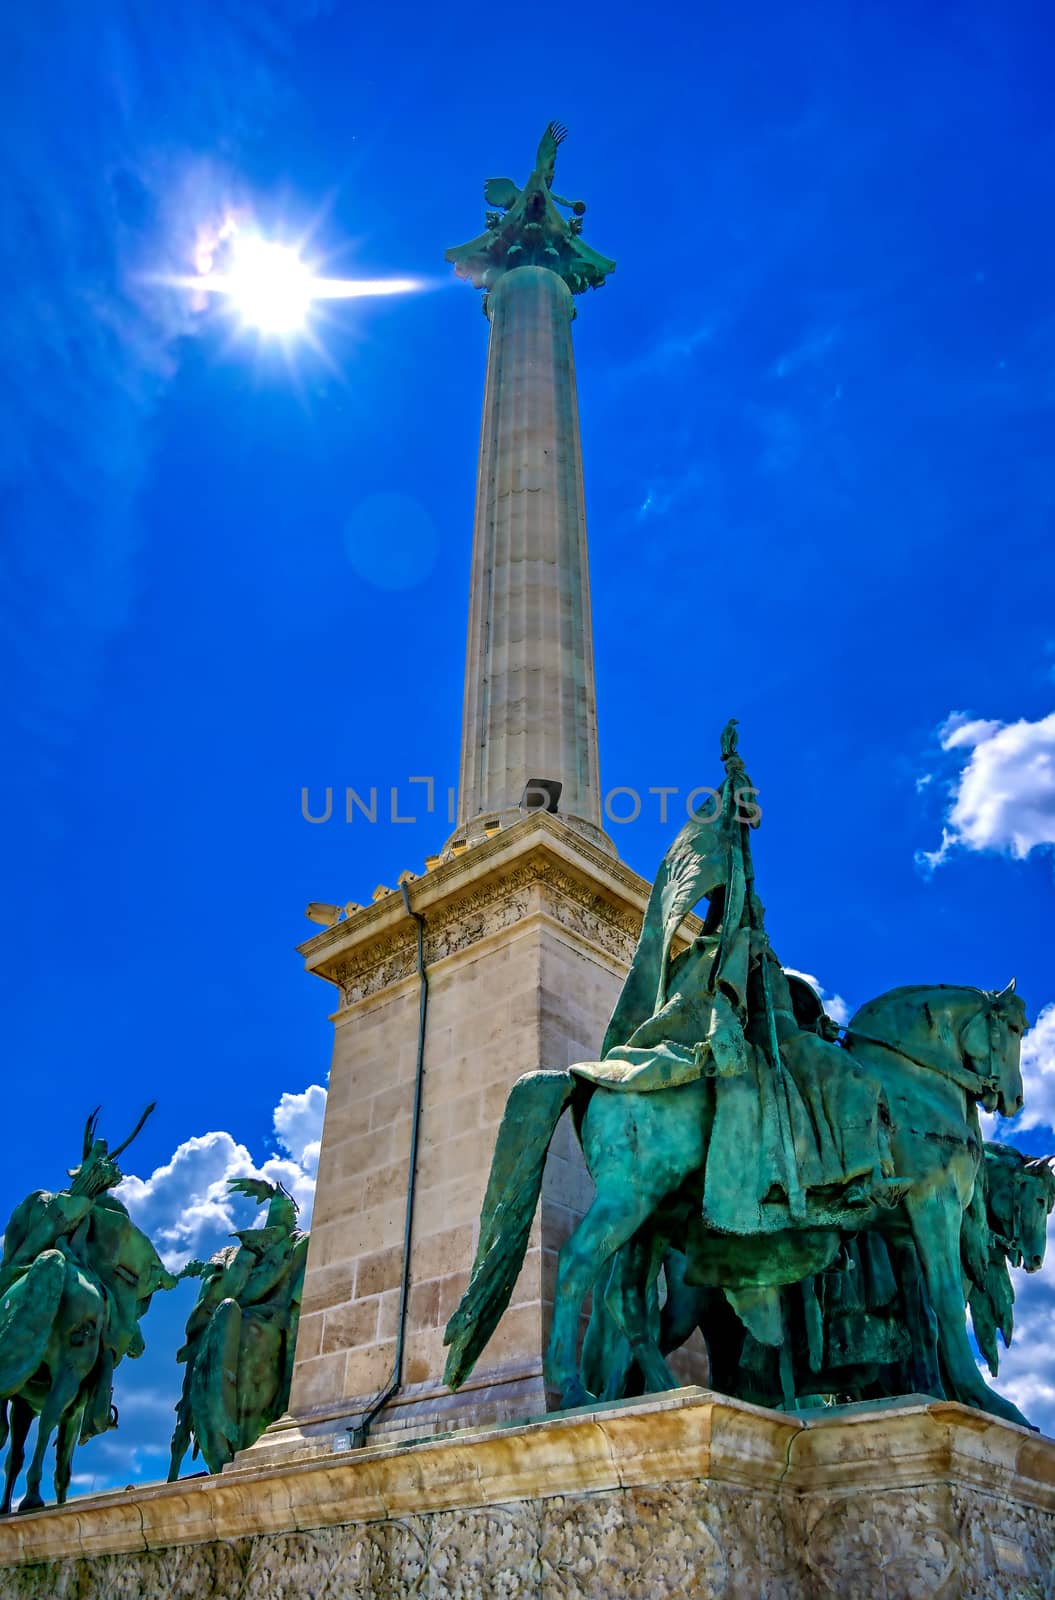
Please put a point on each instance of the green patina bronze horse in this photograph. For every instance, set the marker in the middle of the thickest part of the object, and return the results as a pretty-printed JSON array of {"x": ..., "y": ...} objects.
[
  {"x": 76, "y": 1278},
  {"x": 935, "y": 1051},
  {"x": 1008, "y": 1228},
  {"x": 724, "y": 1120},
  {"x": 864, "y": 1328}
]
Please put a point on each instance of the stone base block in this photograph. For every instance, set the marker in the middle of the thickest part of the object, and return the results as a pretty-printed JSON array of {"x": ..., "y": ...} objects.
[{"x": 687, "y": 1494}]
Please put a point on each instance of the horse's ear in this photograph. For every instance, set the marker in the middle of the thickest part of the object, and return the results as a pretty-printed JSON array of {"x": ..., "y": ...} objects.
[{"x": 1010, "y": 989}]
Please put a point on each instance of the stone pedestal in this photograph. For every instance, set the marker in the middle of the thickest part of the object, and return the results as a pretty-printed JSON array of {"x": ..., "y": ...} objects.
[
  {"x": 527, "y": 938},
  {"x": 688, "y": 1496}
]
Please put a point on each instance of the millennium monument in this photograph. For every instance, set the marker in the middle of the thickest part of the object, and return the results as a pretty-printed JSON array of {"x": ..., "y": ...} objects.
[
  {"x": 508, "y": 954},
  {"x": 612, "y": 1222}
]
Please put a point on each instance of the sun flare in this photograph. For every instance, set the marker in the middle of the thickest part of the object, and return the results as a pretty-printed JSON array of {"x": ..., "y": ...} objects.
[{"x": 268, "y": 284}]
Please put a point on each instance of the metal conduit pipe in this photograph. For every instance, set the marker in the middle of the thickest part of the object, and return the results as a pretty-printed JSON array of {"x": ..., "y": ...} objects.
[{"x": 361, "y": 1432}]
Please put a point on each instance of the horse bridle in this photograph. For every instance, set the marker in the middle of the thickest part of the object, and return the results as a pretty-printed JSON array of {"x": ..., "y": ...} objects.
[{"x": 972, "y": 1082}]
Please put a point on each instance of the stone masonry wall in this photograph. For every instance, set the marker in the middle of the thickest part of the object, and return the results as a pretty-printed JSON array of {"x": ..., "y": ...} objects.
[{"x": 683, "y": 1542}]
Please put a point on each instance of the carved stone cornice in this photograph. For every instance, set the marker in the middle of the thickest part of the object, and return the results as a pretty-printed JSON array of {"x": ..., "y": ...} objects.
[
  {"x": 538, "y": 866},
  {"x": 505, "y": 893}
]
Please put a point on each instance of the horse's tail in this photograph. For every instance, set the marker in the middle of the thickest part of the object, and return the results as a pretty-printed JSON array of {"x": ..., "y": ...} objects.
[{"x": 532, "y": 1112}]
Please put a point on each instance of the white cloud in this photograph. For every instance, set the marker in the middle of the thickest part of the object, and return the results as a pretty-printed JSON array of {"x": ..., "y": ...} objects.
[
  {"x": 298, "y": 1125},
  {"x": 1004, "y": 796},
  {"x": 1038, "y": 1072},
  {"x": 1038, "y": 1082},
  {"x": 185, "y": 1206},
  {"x": 834, "y": 1004},
  {"x": 1027, "y": 1370}
]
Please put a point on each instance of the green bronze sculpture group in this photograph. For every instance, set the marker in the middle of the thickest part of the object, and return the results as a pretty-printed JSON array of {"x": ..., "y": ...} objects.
[
  {"x": 823, "y": 1209},
  {"x": 76, "y": 1279},
  {"x": 241, "y": 1334},
  {"x": 817, "y": 1201}
]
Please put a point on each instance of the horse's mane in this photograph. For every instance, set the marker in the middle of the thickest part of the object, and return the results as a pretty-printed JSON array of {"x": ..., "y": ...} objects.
[
  {"x": 926, "y": 988},
  {"x": 907, "y": 991}
]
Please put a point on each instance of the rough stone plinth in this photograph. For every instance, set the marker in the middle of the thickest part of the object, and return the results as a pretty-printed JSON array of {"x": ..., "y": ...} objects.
[{"x": 685, "y": 1495}]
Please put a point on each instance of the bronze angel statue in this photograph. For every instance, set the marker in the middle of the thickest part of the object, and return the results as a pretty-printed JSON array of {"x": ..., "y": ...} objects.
[{"x": 527, "y": 227}]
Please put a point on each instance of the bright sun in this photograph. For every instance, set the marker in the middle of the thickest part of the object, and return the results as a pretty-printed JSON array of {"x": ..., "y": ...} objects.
[{"x": 269, "y": 285}]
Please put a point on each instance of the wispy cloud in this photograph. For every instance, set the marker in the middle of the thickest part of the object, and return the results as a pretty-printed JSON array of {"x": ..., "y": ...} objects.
[
  {"x": 810, "y": 350},
  {"x": 673, "y": 492},
  {"x": 163, "y": 98},
  {"x": 664, "y": 355}
]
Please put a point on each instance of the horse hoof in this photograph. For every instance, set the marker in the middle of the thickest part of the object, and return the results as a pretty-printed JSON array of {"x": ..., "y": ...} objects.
[
  {"x": 30, "y": 1502},
  {"x": 576, "y": 1394}
]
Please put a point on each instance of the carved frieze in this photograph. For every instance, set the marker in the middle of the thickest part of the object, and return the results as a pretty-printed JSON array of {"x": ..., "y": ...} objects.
[
  {"x": 892, "y": 1547},
  {"x": 500, "y": 902}
]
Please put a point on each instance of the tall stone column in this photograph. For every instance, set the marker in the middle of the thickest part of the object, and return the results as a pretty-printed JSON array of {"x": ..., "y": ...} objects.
[{"x": 530, "y": 707}]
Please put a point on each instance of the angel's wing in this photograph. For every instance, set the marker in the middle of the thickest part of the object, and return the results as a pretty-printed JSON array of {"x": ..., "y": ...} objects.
[
  {"x": 546, "y": 160},
  {"x": 257, "y": 1189},
  {"x": 501, "y": 192}
]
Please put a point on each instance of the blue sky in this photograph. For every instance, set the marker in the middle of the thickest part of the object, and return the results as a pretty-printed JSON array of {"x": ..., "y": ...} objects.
[{"x": 817, "y": 403}]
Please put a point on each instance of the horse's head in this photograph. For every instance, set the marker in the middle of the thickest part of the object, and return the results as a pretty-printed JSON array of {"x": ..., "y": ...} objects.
[
  {"x": 973, "y": 1036},
  {"x": 1020, "y": 1195},
  {"x": 1036, "y": 1203},
  {"x": 991, "y": 1042}
]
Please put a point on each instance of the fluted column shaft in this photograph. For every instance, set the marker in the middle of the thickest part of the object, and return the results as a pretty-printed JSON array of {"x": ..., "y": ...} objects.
[{"x": 530, "y": 705}]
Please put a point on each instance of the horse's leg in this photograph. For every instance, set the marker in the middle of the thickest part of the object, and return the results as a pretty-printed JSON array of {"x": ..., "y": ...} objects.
[
  {"x": 21, "y": 1422},
  {"x": 606, "y": 1358},
  {"x": 936, "y": 1218},
  {"x": 61, "y": 1397},
  {"x": 66, "y": 1439},
  {"x": 685, "y": 1305},
  {"x": 633, "y": 1278},
  {"x": 638, "y": 1149},
  {"x": 612, "y": 1219}
]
